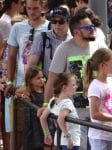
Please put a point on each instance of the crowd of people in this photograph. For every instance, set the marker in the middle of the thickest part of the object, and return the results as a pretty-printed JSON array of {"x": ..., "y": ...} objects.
[{"x": 54, "y": 54}]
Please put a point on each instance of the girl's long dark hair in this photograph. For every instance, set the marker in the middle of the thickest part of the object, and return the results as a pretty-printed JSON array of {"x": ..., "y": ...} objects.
[{"x": 30, "y": 74}]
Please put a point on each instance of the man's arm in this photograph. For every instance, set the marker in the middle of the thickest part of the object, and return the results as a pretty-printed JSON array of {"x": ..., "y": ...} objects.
[
  {"x": 3, "y": 45},
  {"x": 33, "y": 60},
  {"x": 11, "y": 67},
  {"x": 49, "y": 86},
  {"x": 12, "y": 56}
]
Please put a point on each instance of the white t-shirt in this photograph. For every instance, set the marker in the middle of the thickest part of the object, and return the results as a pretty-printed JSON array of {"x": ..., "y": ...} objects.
[
  {"x": 6, "y": 18},
  {"x": 100, "y": 35},
  {"x": 19, "y": 37},
  {"x": 73, "y": 129},
  {"x": 104, "y": 93},
  {"x": 68, "y": 53}
]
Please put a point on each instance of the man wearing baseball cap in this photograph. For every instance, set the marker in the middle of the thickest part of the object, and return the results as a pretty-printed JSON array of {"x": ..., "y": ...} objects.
[
  {"x": 60, "y": 12},
  {"x": 59, "y": 17}
]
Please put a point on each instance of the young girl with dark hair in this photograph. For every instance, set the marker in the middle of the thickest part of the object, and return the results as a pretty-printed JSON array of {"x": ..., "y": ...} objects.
[
  {"x": 64, "y": 87},
  {"x": 32, "y": 90}
]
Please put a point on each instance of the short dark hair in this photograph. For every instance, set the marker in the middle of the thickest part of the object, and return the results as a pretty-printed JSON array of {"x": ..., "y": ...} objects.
[
  {"x": 93, "y": 17},
  {"x": 40, "y": 1},
  {"x": 71, "y": 3},
  {"x": 75, "y": 20},
  {"x": 54, "y": 3},
  {"x": 85, "y": 1}
]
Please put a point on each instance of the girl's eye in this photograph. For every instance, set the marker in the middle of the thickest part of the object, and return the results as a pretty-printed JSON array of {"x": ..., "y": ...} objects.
[{"x": 40, "y": 78}]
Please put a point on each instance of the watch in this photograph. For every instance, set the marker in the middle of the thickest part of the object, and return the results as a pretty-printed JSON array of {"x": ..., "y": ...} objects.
[{"x": 67, "y": 135}]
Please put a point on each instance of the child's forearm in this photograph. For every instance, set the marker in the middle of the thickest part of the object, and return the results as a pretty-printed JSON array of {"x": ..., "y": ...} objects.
[
  {"x": 43, "y": 123},
  {"x": 45, "y": 128},
  {"x": 62, "y": 125}
]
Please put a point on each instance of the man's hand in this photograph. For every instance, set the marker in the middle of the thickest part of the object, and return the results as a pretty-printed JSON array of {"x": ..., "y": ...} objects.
[
  {"x": 22, "y": 92},
  {"x": 40, "y": 111}
]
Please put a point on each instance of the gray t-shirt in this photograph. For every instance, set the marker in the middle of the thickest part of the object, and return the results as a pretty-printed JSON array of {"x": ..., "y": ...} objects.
[
  {"x": 69, "y": 57},
  {"x": 52, "y": 41},
  {"x": 68, "y": 53}
]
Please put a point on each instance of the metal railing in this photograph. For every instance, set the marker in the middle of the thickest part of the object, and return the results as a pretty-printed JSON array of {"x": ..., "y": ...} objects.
[{"x": 68, "y": 119}]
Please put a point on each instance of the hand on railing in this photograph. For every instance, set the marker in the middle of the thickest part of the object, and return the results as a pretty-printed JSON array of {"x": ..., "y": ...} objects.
[
  {"x": 48, "y": 139},
  {"x": 22, "y": 92},
  {"x": 40, "y": 111}
]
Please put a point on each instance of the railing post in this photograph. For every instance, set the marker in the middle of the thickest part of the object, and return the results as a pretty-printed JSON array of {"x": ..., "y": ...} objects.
[
  {"x": 58, "y": 138},
  {"x": 86, "y": 123}
]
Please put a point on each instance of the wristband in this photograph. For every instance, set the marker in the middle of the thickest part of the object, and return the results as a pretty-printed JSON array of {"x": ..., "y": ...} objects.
[
  {"x": 45, "y": 104},
  {"x": 10, "y": 83},
  {"x": 46, "y": 132},
  {"x": 68, "y": 135}
]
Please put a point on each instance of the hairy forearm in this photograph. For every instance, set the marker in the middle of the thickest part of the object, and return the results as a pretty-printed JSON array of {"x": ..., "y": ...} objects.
[
  {"x": 102, "y": 116},
  {"x": 48, "y": 92},
  {"x": 49, "y": 86},
  {"x": 12, "y": 56},
  {"x": 33, "y": 60},
  {"x": 11, "y": 68}
]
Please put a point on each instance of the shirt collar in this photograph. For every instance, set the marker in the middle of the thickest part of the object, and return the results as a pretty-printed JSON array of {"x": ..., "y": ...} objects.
[{"x": 57, "y": 37}]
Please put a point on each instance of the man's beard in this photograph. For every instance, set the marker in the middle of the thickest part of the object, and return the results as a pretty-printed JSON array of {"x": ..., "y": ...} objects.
[{"x": 89, "y": 38}]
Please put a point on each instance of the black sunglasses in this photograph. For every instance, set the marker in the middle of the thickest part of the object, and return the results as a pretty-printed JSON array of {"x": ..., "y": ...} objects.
[
  {"x": 31, "y": 34},
  {"x": 61, "y": 21}
]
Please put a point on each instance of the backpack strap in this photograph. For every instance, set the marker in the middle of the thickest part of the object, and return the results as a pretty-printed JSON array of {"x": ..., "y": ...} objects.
[{"x": 44, "y": 37}]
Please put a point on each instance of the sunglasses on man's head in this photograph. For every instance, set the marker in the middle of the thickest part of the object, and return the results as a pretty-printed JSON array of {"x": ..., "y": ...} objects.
[
  {"x": 87, "y": 27},
  {"x": 31, "y": 34},
  {"x": 61, "y": 21}
]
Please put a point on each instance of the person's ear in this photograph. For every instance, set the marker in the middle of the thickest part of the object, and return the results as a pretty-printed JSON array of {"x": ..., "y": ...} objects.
[
  {"x": 102, "y": 65},
  {"x": 64, "y": 87},
  {"x": 76, "y": 32}
]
